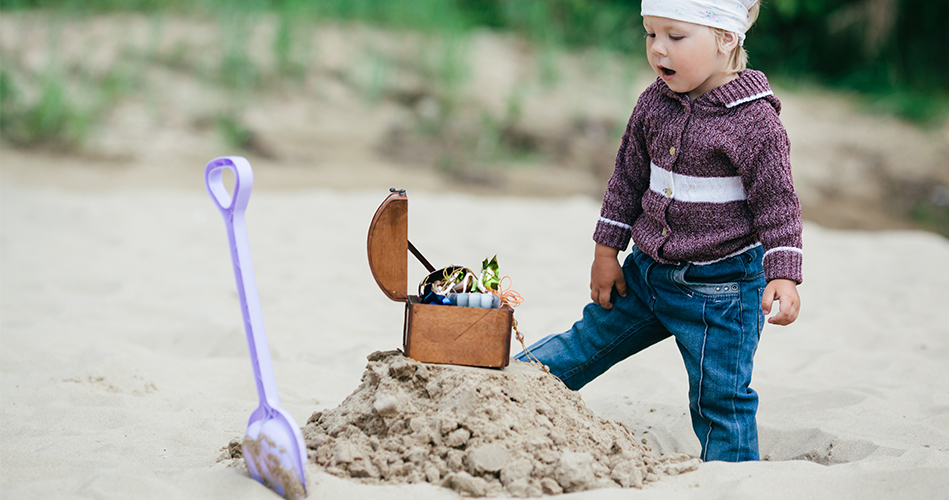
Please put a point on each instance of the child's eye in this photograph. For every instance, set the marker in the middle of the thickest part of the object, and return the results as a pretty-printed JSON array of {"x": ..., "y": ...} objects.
[
  {"x": 650, "y": 35},
  {"x": 676, "y": 38}
]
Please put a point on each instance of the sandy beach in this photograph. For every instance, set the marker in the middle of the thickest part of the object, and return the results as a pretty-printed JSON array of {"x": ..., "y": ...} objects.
[{"x": 125, "y": 372}]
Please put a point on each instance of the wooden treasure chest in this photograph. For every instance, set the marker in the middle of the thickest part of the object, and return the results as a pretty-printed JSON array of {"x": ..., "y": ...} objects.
[{"x": 432, "y": 333}]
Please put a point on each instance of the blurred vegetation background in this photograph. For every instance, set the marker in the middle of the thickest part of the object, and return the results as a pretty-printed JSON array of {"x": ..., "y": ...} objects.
[
  {"x": 894, "y": 52},
  {"x": 220, "y": 66}
]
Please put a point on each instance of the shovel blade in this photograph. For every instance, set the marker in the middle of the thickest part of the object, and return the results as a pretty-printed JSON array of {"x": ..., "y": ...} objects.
[{"x": 274, "y": 456}]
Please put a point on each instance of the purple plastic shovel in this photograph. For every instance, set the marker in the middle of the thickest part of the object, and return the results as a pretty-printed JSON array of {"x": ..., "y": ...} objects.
[{"x": 273, "y": 445}]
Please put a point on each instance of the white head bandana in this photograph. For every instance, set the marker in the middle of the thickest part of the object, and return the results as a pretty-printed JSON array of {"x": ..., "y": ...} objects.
[{"x": 729, "y": 15}]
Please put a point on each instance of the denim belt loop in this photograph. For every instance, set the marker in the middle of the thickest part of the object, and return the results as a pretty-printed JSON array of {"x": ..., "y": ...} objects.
[
  {"x": 645, "y": 273},
  {"x": 677, "y": 274}
]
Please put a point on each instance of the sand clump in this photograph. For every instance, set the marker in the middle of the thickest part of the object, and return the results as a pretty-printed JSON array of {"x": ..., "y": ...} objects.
[{"x": 481, "y": 432}]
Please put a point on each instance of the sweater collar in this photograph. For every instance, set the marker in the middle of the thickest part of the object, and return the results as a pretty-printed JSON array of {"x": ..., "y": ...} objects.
[{"x": 749, "y": 86}]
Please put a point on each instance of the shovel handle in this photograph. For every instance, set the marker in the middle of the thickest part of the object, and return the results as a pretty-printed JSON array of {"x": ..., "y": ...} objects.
[
  {"x": 243, "y": 183},
  {"x": 232, "y": 208}
]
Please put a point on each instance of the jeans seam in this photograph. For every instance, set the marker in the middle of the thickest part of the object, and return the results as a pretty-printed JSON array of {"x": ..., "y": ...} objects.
[
  {"x": 600, "y": 353},
  {"x": 698, "y": 399},
  {"x": 539, "y": 344},
  {"x": 741, "y": 344}
]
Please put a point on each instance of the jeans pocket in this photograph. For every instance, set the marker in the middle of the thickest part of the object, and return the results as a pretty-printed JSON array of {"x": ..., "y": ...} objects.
[{"x": 714, "y": 290}]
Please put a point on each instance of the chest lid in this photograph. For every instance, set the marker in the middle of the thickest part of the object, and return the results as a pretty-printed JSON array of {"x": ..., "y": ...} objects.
[{"x": 387, "y": 245}]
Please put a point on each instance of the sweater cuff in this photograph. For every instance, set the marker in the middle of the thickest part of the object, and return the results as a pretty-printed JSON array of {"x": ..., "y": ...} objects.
[
  {"x": 784, "y": 263},
  {"x": 612, "y": 234}
]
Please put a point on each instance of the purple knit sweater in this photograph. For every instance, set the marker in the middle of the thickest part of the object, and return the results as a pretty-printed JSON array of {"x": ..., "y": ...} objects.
[{"x": 699, "y": 181}]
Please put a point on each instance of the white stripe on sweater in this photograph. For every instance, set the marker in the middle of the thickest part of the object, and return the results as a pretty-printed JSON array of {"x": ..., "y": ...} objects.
[
  {"x": 783, "y": 249},
  {"x": 615, "y": 223},
  {"x": 749, "y": 98},
  {"x": 695, "y": 189}
]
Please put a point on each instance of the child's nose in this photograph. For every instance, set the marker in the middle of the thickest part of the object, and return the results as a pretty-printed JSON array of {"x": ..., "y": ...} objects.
[{"x": 658, "y": 48}]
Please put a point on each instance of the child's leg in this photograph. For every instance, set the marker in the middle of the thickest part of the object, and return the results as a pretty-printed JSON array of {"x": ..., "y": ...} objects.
[
  {"x": 715, "y": 313},
  {"x": 603, "y": 337}
]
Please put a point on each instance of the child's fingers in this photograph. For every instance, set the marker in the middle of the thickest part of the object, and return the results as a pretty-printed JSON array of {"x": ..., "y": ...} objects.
[
  {"x": 602, "y": 297},
  {"x": 787, "y": 312},
  {"x": 594, "y": 293},
  {"x": 767, "y": 299},
  {"x": 790, "y": 303},
  {"x": 780, "y": 319}
]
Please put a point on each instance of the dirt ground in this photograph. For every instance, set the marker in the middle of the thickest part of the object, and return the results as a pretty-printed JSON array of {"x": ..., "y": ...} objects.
[{"x": 361, "y": 108}]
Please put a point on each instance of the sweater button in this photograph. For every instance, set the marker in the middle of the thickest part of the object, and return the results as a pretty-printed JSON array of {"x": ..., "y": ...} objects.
[
  {"x": 672, "y": 151},
  {"x": 665, "y": 231},
  {"x": 668, "y": 192}
]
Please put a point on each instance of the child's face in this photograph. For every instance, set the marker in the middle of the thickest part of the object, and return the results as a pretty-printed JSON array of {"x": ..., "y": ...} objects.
[{"x": 686, "y": 56}]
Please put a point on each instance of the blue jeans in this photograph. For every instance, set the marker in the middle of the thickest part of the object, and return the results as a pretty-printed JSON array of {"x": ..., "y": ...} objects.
[{"x": 714, "y": 313}]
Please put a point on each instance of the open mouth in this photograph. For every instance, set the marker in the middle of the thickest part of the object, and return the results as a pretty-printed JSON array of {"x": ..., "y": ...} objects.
[{"x": 666, "y": 71}]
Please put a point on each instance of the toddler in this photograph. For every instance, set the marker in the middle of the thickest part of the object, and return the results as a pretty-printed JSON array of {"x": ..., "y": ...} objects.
[{"x": 702, "y": 185}]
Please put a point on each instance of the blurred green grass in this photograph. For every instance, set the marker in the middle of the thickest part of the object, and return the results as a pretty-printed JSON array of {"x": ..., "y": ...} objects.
[
  {"x": 891, "y": 53},
  {"x": 877, "y": 47}
]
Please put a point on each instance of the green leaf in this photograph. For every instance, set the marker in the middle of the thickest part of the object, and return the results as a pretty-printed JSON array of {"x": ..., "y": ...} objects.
[{"x": 490, "y": 277}]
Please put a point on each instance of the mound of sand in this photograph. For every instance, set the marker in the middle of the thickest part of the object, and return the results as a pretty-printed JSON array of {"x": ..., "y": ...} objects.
[{"x": 480, "y": 432}]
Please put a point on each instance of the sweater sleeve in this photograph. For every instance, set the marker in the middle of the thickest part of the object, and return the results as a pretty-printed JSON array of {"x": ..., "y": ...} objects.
[
  {"x": 622, "y": 202},
  {"x": 766, "y": 174}
]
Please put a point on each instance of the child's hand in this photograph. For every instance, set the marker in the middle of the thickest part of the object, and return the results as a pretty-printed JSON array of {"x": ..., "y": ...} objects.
[
  {"x": 605, "y": 274},
  {"x": 785, "y": 291}
]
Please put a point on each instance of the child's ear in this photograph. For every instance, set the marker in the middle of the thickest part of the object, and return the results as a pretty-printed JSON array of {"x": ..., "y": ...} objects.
[{"x": 728, "y": 42}]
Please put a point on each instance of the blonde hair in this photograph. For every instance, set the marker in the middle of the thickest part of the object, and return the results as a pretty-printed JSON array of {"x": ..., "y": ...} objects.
[{"x": 739, "y": 58}]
